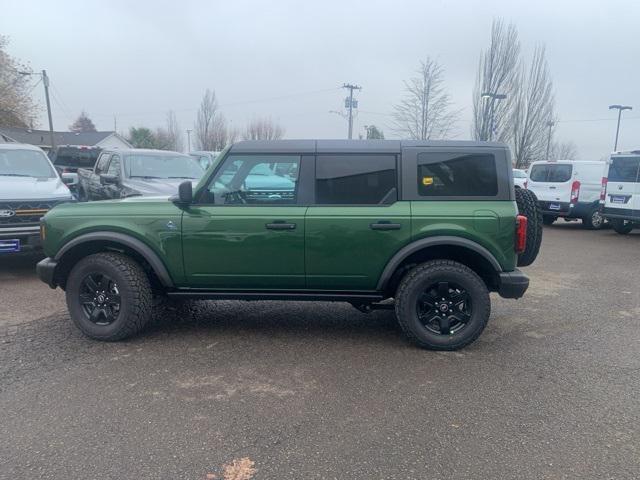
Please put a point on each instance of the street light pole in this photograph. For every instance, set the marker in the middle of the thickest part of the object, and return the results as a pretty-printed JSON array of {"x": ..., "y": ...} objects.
[
  {"x": 188, "y": 140},
  {"x": 620, "y": 108},
  {"x": 493, "y": 97},
  {"x": 550, "y": 124}
]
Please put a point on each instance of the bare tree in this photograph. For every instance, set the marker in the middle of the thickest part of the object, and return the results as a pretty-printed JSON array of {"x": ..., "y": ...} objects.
[
  {"x": 17, "y": 108},
  {"x": 497, "y": 75},
  {"x": 82, "y": 124},
  {"x": 263, "y": 129},
  {"x": 532, "y": 109},
  {"x": 563, "y": 151},
  {"x": 211, "y": 128},
  {"x": 425, "y": 109},
  {"x": 171, "y": 136}
]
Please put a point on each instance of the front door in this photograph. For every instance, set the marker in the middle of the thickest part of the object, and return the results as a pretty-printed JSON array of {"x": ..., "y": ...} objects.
[
  {"x": 246, "y": 229},
  {"x": 356, "y": 223}
]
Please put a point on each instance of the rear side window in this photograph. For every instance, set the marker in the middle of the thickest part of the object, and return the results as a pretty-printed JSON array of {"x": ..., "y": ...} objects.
[
  {"x": 624, "y": 169},
  {"x": 455, "y": 175},
  {"x": 551, "y": 173},
  {"x": 356, "y": 179}
]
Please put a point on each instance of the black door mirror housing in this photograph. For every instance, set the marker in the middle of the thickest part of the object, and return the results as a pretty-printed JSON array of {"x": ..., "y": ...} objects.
[
  {"x": 185, "y": 193},
  {"x": 106, "y": 179}
]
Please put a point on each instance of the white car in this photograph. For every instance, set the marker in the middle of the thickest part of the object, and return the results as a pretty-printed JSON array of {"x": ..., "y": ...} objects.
[
  {"x": 621, "y": 192},
  {"x": 569, "y": 189},
  {"x": 29, "y": 188},
  {"x": 519, "y": 178}
]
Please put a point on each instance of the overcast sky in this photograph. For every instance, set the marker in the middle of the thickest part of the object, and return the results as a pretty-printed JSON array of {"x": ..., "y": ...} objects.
[{"x": 287, "y": 59}]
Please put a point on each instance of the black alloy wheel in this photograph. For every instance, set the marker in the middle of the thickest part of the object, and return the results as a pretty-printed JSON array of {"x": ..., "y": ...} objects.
[
  {"x": 444, "y": 308},
  {"x": 100, "y": 298}
]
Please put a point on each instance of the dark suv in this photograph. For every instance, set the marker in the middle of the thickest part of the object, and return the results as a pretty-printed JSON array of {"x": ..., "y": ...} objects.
[{"x": 426, "y": 228}]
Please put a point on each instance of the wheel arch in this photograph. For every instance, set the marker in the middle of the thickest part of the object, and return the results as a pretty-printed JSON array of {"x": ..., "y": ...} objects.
[
  {"x": 95, "y": 242},
  {"x": 462, "y": 250}
]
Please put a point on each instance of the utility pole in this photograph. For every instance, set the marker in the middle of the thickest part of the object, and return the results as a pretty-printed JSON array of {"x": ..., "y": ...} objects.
[
  {"x": 550, "y": 124},
  {"x": 188, "y": 140},
  {"x": 351, "y": 88},
  {"x": 620, "y": 108},
  {"x": 45, "y": 82}
]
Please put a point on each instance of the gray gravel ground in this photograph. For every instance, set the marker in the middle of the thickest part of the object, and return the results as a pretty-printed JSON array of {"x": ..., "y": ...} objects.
[{"x": 319, "y": 390}]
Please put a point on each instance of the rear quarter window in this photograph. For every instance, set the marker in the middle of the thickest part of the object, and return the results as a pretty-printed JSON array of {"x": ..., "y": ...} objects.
[
  {"x": 624, "y": 169},
  {"x": 457, "y": 175}
]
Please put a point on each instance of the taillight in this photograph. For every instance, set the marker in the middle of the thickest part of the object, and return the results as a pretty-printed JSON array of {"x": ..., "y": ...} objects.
[
  {"x": 575, "y": 192},
  {"x": 521, "y": 233},
  {"x": 603, "y": 189}
]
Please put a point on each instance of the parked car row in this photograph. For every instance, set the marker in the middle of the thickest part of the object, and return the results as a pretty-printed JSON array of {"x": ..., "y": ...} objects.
[{"x": 592, "y": 191}]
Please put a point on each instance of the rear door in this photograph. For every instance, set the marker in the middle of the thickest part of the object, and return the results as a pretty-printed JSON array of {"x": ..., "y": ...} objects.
[
  {"x": 551, "y": 182},
  {"x": 623, "y": 185},
  {"x": 356, "y": 223}
]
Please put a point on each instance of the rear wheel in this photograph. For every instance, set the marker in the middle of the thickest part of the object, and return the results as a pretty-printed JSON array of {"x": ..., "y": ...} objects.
[
  {"x": 621, "y": 226},
  {"x": 594, "y": 220},
  {"x": 528, "y": 206},
  {"x": 442, "y": 305},
  {"x": 548, "y": 219},
  {"x": 109, "y": 296}
]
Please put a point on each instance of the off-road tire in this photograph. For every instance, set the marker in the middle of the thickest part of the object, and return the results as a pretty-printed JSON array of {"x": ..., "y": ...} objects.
[
  {"x": 619, "y": 226},
  {"x": 548, "y": 219},
  {"x": 413, "y": 285},
  {"x": 135, "y": 296},
  {"x": 590, "y": 221},
  {"x": 528, "y": 206}
]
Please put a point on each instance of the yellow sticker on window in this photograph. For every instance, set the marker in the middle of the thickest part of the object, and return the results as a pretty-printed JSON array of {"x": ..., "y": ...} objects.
[{"x": 426, "y": 181}]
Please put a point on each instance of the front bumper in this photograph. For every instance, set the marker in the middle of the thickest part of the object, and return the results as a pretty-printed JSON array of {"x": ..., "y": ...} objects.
[
  {"x": 46, "y": 271},
  {"x": 512, "y": 284}
]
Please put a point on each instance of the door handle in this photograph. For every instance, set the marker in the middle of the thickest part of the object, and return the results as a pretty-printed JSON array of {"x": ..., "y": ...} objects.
[
  {"x": 552, "y": 188},
  {"x": 280, "y": 226},
  {"x": 385, "y": 226}
]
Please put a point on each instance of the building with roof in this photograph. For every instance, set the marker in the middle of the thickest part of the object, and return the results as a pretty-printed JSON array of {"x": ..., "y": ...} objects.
[{"x": 40, "y": 138}]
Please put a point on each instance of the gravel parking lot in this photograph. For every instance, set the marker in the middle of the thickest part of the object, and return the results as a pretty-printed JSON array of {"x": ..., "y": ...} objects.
[{"x": 318, "y": 390}]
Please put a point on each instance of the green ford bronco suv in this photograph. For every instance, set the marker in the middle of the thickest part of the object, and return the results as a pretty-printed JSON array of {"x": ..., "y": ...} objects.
[{"x": 425, "y": 228}]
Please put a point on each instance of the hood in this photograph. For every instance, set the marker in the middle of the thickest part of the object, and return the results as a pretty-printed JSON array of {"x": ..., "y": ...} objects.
[
  {"x": 155, "y": 186},
  {"x": 32, "y": 188}
]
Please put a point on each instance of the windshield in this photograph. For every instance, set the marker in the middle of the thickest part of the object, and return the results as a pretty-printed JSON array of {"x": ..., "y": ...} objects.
[
  {"x": 25, "y": 163},
  {"x": 162, "y": 166}
]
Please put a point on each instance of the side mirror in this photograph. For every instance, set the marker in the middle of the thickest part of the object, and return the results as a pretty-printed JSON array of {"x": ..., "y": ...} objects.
[
  {"x": 69, "y": 178},
  {"x": 106, "y": 179},
  {"x": 185, "y": 193}
]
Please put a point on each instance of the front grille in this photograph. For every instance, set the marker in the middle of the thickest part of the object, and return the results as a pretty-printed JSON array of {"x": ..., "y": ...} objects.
[{"x": 23, "y": 214}]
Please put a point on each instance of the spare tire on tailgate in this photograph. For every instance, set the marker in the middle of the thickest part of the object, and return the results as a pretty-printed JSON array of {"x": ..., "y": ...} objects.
[{"x": 528, "y": 206}]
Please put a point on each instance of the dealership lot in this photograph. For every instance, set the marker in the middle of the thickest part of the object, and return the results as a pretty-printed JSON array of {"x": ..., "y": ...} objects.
[{"x": 319, "y": 390}]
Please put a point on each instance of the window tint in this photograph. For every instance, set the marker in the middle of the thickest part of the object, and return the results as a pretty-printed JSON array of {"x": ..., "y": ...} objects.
[
  {"x": 551, "y": 173},
  {"x": 255, "y": 179},
  {"x": 356, "y": 179},
  {"x": 103, "y": 161},
  {"x": 448, "y": 175},
  {"x": 624, "y": 169},
  {"x": 114, "y": 166}
]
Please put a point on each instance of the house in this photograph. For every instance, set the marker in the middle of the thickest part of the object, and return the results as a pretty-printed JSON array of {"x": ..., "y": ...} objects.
[{"x": 40, "y": 138}]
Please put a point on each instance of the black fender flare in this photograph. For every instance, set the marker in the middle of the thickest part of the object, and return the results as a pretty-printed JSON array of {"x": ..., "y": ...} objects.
[
  {"x": 131, "y": 242},
  {"x": 422, "y": 243}
]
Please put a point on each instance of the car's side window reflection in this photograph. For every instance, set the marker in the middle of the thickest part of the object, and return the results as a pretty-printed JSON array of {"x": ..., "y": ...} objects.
[{"x": 255, "y": 180}]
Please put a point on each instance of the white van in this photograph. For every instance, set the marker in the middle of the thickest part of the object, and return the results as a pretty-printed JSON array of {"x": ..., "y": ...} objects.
[
  {"x": 621, "y": 192},
  {"x": 569, "y": 189}
]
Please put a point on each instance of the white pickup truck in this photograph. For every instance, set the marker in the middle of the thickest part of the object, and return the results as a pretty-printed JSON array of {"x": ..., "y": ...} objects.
[{"x": 29, "y": 188}]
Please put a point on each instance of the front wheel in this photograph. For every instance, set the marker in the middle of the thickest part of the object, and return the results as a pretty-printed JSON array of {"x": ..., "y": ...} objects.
[
  {"x": 621, "y": 226},
  {"x": 594, "y": 220},
  {"x": 442, "y": 305},
  {"x": 109, "y": 296}
]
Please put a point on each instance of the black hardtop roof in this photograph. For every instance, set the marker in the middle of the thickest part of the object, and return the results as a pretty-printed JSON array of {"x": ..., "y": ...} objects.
[{"x": 350, "y": 146}]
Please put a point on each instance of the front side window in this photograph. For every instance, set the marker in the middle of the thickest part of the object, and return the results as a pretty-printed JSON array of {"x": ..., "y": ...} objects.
[
  {"x": 356, "y": 179},
  {"x": 114, "y": 166},
  {"x": 25, "y": 163},
  {"x": 103, "y": 162},
  {"x": 455, "y": 175},
  {"x": 255, "y": 180},
  {"x": 624, "y": 169},
  {"x": 149, "y": 165}
]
